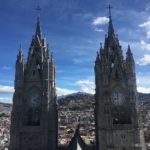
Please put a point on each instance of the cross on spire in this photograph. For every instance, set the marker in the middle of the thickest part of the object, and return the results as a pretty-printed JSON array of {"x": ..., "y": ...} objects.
[
  {"x": 109, "y": 7},
  {"x": 38, "y": 9},
  {"x": 110, "y": 27}
]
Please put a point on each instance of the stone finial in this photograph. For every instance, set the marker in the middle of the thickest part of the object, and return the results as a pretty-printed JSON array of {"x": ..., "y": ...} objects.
[{"x": 38, "y": 28}]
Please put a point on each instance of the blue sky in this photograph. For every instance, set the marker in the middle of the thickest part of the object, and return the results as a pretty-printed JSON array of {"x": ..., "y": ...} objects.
[{"x": 74, "y": 30}]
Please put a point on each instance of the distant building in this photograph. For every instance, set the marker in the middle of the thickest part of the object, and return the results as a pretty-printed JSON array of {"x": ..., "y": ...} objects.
[
  {"x": 118, "y": 123},
  {"x": 34, "y": 115}
]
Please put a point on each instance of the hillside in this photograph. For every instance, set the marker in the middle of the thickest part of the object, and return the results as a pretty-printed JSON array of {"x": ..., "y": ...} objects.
[{"x": 77, "y": 101}]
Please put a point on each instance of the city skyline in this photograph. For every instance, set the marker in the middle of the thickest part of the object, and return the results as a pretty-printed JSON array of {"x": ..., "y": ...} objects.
[{"x": 73, "y": 30}]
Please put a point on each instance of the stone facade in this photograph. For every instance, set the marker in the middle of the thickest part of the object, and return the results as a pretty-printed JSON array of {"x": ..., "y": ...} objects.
[
  {"x": 34, "y": 114},
  {"x": 118, "y": 123}
]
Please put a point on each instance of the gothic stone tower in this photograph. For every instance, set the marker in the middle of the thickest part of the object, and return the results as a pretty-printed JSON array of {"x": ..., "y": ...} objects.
[
  {"x": 34, "y": 114},
  {"x": 118, "y": 125}
]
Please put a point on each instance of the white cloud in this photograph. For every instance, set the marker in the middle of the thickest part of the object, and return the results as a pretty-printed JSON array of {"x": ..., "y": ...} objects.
[
  {"x": 6, "y": 68},
  {"x": 60, "y": 71},
  {"x": 81, "y": 60},
  {"x": 143, "y": 83},
  {"x": 143, "y": 80},
  {"x": 100, "y": 21},
  {"x": 145, "y": 45},
  {"x": 98, "y": 30},
  {"x": 148, "y": 8},
  {"x": 143, "y": 89},
  {"x": 77, "y": 61},
  {"x": 144, "y": 61},
  {"x": 6, "y": 99},
  {"x": 146, "y": 27},
  {"x": 7, "y": 81},
  {"x": 87, "y": 86},
  {"x": 6, "y": 89},
  {"x": 61, "y": 91}
]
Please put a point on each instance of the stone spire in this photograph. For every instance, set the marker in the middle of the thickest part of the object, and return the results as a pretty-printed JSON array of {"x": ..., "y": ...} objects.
[
  {"x": 101, "y": 49},
  {"x": 129, "y": 50},
  {"x": 129, "y": 55},
  {"x": 111, "y": 40},
  {"x": 20, "y": 55},
  {"x": 38, "y": 28},
  {"x": 97, "y": 58},
  {"x": 130, "y": 61},
  {"x": 110, "y": 27},
  {"x": 38, "y": 47},
  {"x": 19, "y": 66}
]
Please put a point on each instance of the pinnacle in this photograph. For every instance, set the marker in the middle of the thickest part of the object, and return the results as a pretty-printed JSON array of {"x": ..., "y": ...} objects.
[
  {"x": 38, "y": 28},
  {"x": 128, "y": 47},
  {"x": 20, "y": 50},
  {"x": 110, "y": 27},
  {"x": 129, "y": 50},
  {"x": 20, "y": 54}
]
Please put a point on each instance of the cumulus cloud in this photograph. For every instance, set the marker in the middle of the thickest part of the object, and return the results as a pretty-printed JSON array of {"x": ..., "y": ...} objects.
[
  {"x": 100, "y": 21},
  {"x": 87, "y": 86},
  {"x": 6, "y": 81},
  {"x": 97, "y": 22},
  {"x": 143, "y": 82},
  {"x": 77, "y": 61},
  {"x": 146, "y": 27},
  {"x": 98, "y": 30},
  {"x": 143, "y": 89},
  {"x": 6, "y": 89},
  {"x": 147, "y": 8},
  {"x": 61, "y": 91},
  {"x": 144, "y": 61},
  {"x": 6, "y": 99},
  {"x": 145, "y": 45},
  {"x": 6, "y": 68},
  {"x": 81, "y": 60}
]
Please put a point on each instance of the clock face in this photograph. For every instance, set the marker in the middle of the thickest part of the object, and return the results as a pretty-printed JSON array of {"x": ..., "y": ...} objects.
[
  {"x": 117, "y": 98},
  {"x": 34, "y": 100}
]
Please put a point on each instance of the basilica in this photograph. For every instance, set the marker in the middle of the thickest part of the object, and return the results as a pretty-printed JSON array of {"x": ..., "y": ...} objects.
[{"x": 34, "y": 119}]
